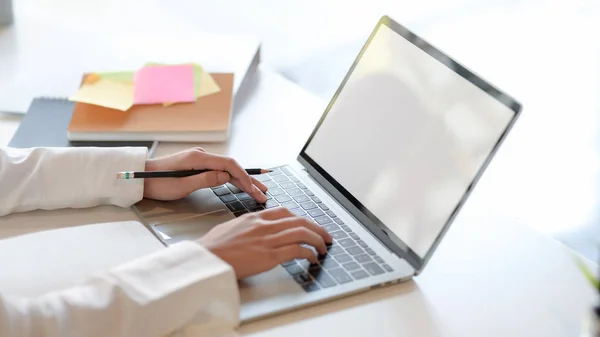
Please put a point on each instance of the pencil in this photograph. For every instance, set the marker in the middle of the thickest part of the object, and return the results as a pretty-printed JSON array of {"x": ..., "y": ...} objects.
[{"x": 176, "y": 173}]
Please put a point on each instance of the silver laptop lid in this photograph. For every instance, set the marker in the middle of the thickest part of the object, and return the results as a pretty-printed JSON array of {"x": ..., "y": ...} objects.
[{"x": 405, "y": 138}]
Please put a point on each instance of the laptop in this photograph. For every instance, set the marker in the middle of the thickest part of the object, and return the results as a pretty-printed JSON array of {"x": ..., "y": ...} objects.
[{"x": 393, "y": 158}]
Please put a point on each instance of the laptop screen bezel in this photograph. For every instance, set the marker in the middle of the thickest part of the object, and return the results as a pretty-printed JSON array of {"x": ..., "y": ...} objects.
[{"x": 357, "y": 209}]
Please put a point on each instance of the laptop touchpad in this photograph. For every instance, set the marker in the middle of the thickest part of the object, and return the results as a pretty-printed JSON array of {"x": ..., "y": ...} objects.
[
  {"x": 200, "y": 202},
  {"x": 191, "y": 228}
]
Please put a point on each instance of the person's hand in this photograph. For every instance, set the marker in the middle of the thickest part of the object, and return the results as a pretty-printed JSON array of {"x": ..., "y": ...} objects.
[
  {"x": 225, "y": 170},
  {"x": 258, "y": 242}
]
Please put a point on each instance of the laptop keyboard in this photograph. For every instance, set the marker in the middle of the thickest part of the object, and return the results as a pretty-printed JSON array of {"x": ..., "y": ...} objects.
[{"x": 348, "y": 258}]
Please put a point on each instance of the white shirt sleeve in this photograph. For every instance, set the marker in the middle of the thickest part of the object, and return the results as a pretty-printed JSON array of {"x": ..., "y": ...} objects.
[
  {"x": 158, "y": 294},
  {"x": 75, "y": 177},
  {"x": 183, "y": 285}
]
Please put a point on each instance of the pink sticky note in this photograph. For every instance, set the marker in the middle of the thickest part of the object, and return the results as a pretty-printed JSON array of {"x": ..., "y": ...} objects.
[{"x": 159, "y": 84}]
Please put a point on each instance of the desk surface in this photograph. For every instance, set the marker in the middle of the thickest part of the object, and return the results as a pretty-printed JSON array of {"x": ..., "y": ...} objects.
[{"x": 492, "y": 276}]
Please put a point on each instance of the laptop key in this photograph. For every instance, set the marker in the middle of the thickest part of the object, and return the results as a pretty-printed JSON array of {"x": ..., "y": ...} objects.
[
  {"x": 271, "y": 204},
  {"x": 373, "y": 268},
  {"x": 287, "y": 185},
  {"x": 351, "y": 266},
  {"x": 323, "y": 206},
  {"x": 343, "y": 258},
  {"x": 322, "y": 220},
  {"x": 294, "y": 179},
  {"x": 302, "y": 278},
  {"x": 294, "y": 192},
  {"x": 283, "y": 198},
  {"x": 240, "y": 213},
  {"x": 281, "y": 178},
  {"x": 286, "y": 171},
  {"x": 270, "y": 184},
  {"x": 378, "y": 259},
  {"x": 331, "y": 214},
  {"x": 346, "y": 228},
  {"x": 295, "y": 269},
  {"x": 297, "y": 212},
  {"x": 301, "y": 198},
  {"x": 339, "y": 235},
  {"x": 362, "y": 243},
  {"x": 276, "y": 191},
  {"x": 329, "y": 263},
  {"x": 340, "y": 275},
  {"x": 363, "y": 258},
  {"x": 309, "y": 193},
  {"x": 310, "y": 287},
  {"x": 275, "y": 171},
  {"x": 233, "y": 188},
  {"x": 243, "y": 196},
  {"x": 250, "y": 203},
  {"x": 289, "y": 205},
  {"x": 354, "y": 236},
  {"x": 308, "y": 205},
  {"x": 370, "y": 251},
  {"x": 301, "y": 185},
  {"x": 322, "y": 277},
  {"x": 221, "y": 191},
  {"x": 263, "y": 177},
  {"x": 334, "y": 250},
  {"x": 331, "y": 227},
  {"x": 317, "y": 200},
  {"x": 346, "y": 242},
  {"x": 359, "y": 274},
  {"x": 289, "y": 263},
  {"x": 338, "y": 221},
  {"x": 356, "y": 250},
  {"x": 387, "y": 268},
  {"x": 227, "y": 198},
  {"x": 235, "y": 206},
  {"x": 315, "y": 212}
]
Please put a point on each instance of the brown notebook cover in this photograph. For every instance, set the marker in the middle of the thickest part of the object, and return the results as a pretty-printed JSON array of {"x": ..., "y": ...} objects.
[{"x": 206, "y": 120}]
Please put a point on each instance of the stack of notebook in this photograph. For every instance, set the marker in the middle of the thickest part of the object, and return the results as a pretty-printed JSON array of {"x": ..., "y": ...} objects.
[{"x": 205, "y": 120}]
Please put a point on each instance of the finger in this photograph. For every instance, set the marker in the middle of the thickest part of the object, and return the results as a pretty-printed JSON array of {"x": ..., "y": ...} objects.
[
  {"x": 216, "y": 162},
  {"x": 297, "y": 235},
  {"x": 205, "y": 180},
  {"x": 288, "y": 253},
  {"x": 275, "y": 213},
  {"x": 259, "y": 184},
  {"x": 284, "y": 223},
  {"x": 256, "y": 194}
]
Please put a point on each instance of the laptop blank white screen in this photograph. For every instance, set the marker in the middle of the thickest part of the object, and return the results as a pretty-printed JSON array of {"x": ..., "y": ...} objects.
[{"x": 406, "y": 137}]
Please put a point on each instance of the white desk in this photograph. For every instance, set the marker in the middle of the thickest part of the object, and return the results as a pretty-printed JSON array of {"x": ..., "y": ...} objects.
[{"x": 492, "y": 276}]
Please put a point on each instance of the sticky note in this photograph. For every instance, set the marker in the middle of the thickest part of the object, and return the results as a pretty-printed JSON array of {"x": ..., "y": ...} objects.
[
  {"x": 204, "y": 84},
  {"x": 106, "y": 93},
  {"x": 119, "y": 76},
  {"x": 91, "y": 78},
  {"x": 160, "y": 84},
  {"x": 208, "y": 85}
]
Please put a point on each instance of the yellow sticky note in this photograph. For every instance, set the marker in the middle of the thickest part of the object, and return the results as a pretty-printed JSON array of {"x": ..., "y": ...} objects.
[
  {"x": 208, "y": 86},
  {"x": 118, "y": 76},
  {"x": 92, "y": 78},
  {"x": 106, "y": 93}
]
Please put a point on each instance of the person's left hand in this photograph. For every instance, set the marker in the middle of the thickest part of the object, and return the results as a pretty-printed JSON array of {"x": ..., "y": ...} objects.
[{"x": 225, "y": 170}]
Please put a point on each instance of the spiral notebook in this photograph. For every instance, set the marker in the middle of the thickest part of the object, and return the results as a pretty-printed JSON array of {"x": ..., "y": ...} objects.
[{"x": 46, "y": 123}]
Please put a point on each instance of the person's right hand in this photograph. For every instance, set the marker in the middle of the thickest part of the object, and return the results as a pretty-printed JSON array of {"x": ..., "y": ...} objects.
[{"x": 258, "y": 242}]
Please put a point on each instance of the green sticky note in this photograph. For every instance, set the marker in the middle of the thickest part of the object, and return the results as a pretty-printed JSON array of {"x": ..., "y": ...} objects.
[
  {"x": 198, "y": 74},
  {"x": 118, "y": 76}
]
